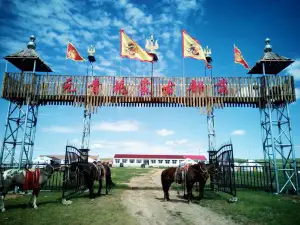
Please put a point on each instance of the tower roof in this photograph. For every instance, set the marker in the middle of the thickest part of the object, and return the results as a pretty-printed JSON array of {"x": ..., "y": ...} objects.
[
  {"x": 274, "y": 63},
  {"x": 24, "y": 59}
]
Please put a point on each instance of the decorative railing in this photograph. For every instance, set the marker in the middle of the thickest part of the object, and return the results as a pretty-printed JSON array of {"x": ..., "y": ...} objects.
[{"x": 194, "y": 92}]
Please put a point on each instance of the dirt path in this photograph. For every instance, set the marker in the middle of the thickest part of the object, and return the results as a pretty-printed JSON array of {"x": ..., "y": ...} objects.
[{"x": 148, "y": 207}]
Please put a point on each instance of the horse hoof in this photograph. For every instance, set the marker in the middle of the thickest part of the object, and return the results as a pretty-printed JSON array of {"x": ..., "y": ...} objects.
[
  {"x": 66, "y": 202},
  {"x": 35, "y": 207},
  {"x": 92, "y": 199},
  {"x": 3, "y": 210}
]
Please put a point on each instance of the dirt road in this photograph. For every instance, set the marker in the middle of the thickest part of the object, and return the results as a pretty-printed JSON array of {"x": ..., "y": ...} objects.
[{"x": 145, "y": 202}]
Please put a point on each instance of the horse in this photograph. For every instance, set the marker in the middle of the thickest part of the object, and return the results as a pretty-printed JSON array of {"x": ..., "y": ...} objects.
[
  {"x": 213, "y": 170},
  {"x": 168, "y": 176},
  {"x": 92, "y": 172},
  {"x": 195, "y": 173},
  {"x": 26, "y": 179},
  {"x": 109, "y": 184}
]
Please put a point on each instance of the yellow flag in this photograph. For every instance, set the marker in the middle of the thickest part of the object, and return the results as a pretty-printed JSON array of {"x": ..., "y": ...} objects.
[
  {"x": 132, "y": 50},
  {"x": 191, "y": 47}
]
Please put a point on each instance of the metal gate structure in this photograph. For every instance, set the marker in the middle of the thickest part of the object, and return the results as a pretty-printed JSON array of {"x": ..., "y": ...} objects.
[
  {"x": 73, "y": 182},
  {"x": 223, "y": 158}
]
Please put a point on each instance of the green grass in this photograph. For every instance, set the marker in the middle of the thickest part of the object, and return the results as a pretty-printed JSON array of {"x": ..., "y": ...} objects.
[
  {"x": 255, "y": 207},
  {"x": 104, "y": 210},
  {"x": 252, "y": 207}
]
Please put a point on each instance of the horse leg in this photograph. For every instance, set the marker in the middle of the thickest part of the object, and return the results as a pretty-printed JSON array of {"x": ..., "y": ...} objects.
[
  {"x": 30, "y": 200},
  {"x": 166, "y": 187},
  {"x": 107, "y": 182},
  {"x": 202, "y": 188},
  {"x": 91, "y": 189},
  {"x": 100, "y": 187},
  {"x": 2, "y": 206},
  {"x": 35, "y": 194},
  {"x": 189, "y": 188}
]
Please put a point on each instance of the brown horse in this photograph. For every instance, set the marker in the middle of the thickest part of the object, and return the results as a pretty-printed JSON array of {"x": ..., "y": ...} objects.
[
  {"x": 188, "y": 175},
  {"x": 212, "y": 170},
  {"x": 168, "y": 176},
  {"x": 195, "y": 173}
]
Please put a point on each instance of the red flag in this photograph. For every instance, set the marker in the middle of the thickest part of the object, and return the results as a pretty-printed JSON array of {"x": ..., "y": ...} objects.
[
  {"x": 72, "y": 53},
  {"x": 238, "y": 58}
]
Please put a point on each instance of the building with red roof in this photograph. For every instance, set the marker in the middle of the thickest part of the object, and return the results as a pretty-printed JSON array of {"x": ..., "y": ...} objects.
[{"x": 136, "y": 160}]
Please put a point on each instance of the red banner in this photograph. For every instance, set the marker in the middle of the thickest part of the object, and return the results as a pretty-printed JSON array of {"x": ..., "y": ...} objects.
[
  {"x": 72, "y": 53},
  {"x": 238, "y": 58}
]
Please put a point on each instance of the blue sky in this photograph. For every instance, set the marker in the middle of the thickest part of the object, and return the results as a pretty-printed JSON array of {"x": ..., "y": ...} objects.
[{"x": 218, "y": 24}]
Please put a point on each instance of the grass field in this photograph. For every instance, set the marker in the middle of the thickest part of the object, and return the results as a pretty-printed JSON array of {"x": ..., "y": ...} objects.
[
  {"x": 107, "y": 210},
  {"x": 253, "y": 207},
  {"x": 256, "y": 207}
]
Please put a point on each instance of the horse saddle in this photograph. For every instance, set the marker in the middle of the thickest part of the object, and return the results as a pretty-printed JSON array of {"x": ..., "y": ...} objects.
[
  {"x": 186, "y": 167},
  {"x": 31, "y": 179}
]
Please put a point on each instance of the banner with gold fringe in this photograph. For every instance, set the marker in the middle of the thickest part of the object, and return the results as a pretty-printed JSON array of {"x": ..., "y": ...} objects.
[
  {"x": 132, "y": 50},
  {"x": 191, "y": 48},
  {"x": 238, "y": 57}
]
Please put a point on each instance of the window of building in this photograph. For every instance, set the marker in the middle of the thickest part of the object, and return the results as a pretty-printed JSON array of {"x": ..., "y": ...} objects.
[
  {"x": 174, "y": 161},
  {"x": 180, "y": 161},
  {"x": 124, "y": 160},
  {"x": 138, "y": 161},
  {"x": 160, "y": 161},
  {"x": 131, "y": 160},
  {"x": 117, "y": 160},
  {"x": 153, "y": 161},
  {"x": 167, "y": 161}
]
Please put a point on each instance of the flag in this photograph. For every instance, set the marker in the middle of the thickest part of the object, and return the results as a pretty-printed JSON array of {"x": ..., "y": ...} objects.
[
  {"x": 72, "y": 53},
  {"x": 238, "y": 58},
  {"x": 132, "y": 50},
  {"x": 192, "y": 48}
]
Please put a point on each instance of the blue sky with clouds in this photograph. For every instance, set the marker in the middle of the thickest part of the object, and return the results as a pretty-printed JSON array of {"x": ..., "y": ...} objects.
[{"x": 218, "y": 24}]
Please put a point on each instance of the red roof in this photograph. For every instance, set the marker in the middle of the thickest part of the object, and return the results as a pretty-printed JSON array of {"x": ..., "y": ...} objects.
[
  {"x": 195, "y": 157},
  {"x": 137, "y": 156}
]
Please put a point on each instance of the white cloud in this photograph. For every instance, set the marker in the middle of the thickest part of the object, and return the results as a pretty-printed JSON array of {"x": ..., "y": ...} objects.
[
  {"x": 238, "y": 132},
  {"x": 170, "y": 54},
  {"x": 294, "y": 69},
  {"x": 119, "y": 126},
  {"x": 164, "y": 132},
  {"x": 56, "y": 22},
  {"x": 59, "y": 129},
  {"x": 177, "y": 142}
]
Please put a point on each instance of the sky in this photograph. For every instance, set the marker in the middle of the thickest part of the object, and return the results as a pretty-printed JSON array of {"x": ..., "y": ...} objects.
[{"x": 218, "y": 24}]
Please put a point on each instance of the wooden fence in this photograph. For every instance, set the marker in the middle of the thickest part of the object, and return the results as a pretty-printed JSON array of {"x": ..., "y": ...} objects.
[{"x": 144, "y": 91}]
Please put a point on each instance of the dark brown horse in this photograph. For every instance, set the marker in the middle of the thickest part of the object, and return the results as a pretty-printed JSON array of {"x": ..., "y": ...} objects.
[
  {"x": 92, "y": 172},
  {"x": 212, "y": 170},
  {"x": 195, "y": 173},
  {"x": 168, "y": 176},
  {"x": 105, "y": 173},
  {"x": 188, "y": 175}
]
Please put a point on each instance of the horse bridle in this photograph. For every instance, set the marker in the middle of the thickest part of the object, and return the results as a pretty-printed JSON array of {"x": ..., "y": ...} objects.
[{"x": 201, "y": 170}]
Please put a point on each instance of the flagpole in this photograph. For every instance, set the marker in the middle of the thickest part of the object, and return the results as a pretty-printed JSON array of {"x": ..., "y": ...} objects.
[
  {"x": 120, "y": 66},
  {"x": 182, "y": 69},
  {"x": 152, "y": 79},
  {"x": 234, "y": 60}
]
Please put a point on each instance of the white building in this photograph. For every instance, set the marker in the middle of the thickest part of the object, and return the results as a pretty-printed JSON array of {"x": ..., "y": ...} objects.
[
  {"x": 251, "y": 165},
  {"x": 45, "y": 159},
  {"x": 136, "y": 160}
]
